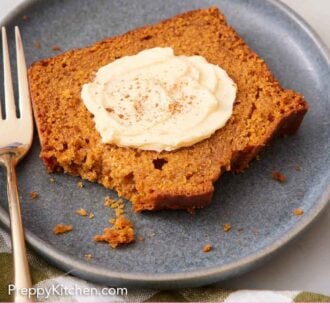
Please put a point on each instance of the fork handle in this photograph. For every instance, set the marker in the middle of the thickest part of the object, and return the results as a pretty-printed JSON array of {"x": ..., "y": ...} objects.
[{"x": 22, "y": 277}]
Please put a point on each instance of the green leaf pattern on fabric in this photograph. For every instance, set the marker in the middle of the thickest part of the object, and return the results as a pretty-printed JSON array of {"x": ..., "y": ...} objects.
[
  {"x": 309, "y": 297},
  {"x": 6, "y": 275}
]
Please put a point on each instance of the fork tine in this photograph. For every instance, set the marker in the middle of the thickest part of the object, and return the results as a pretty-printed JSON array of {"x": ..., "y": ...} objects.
[
  {"x": 23, "y": 89},
  {"x": 10, "y": 108}
]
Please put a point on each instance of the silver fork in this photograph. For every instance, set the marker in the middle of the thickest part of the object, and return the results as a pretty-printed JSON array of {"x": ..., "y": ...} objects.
[{"x": 15, "y": 141}]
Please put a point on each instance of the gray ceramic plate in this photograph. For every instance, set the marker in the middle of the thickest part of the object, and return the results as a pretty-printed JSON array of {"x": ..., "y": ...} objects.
[{"x": 258, "y": 208}]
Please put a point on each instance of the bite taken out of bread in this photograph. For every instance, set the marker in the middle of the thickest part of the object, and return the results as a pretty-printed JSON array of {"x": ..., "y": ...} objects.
[{"x": 179, "y": 179}]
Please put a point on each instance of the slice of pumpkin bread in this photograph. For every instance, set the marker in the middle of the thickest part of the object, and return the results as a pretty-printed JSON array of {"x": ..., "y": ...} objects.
[{"x": 182, "y": 178}]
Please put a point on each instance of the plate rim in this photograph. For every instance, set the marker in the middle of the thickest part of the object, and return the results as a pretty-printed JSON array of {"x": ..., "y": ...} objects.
[{"x": 209, "y": 275}]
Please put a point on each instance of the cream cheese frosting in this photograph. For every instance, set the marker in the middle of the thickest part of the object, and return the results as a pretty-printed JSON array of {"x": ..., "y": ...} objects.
[{"x": 155, "y": 100}]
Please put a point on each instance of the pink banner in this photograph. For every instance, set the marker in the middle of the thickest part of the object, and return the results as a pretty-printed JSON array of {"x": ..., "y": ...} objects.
[{"x": 159, "y": 316}]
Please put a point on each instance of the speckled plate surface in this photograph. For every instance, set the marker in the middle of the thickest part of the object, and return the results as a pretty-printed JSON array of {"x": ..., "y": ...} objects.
[{"x": 258, "y": 208}]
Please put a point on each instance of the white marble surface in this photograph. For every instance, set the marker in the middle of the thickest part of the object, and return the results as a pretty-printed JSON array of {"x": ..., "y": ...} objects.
[{"x": 305, "y": 264}]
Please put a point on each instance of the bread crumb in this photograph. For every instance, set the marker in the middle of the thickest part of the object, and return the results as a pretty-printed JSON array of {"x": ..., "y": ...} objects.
[
  {"x": 207, "y": 248},
  {"x": 255, "y": 231},
  {"x": 122, "y": 232},
  {"x": 37, "y": 44},
  {"x": 226, "y": 227},
  {"x": 51, "y": 180},
  {"x": 61, "y": 229},
  {"x": 141, "y": 239},
  {"x": 88, "y": 257},
  {"x": 25, "y": 18},
  {"x": 112, "y": 221},
  {"x": 80, "y": 184},
  {"x": 258, "y": 157},
  {"x": 278, "y": 176},
  {"x": 34, "y": 195},
  {"x": 297, "y": 168},
  {"x": 56, "y": 48},
  {"x": 116, "y": 205},
  {"x": 298, "y": 211},
  {"x": 82, "y": 212},
  {"x": 191, "y": 210},
  {"x": 108, "y": 201}
]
